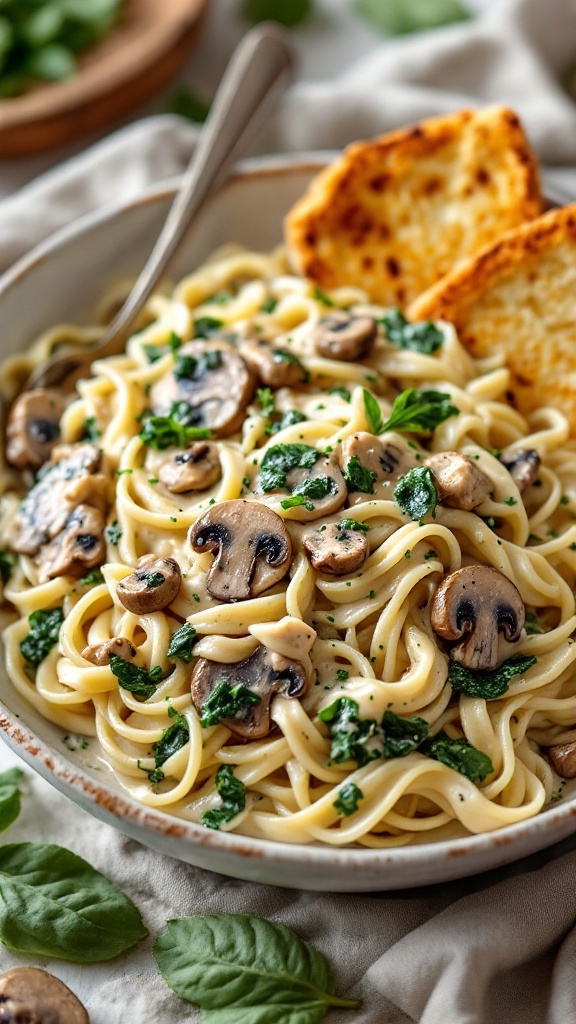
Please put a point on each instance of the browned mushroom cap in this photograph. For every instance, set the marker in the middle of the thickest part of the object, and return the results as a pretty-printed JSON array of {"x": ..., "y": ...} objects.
[
  {"x": 71, "y": 478},
  {"x": 522, "y": 465},
  {"x": 389, "y": 457},
  {"x": 78, "y": 547},
  {"x": 335, "y": 549},
  {"x": 459, "y": 481},
  {"x": 341, "y": 335},
  {"x": 264, "y": 674},
  {"x": 252, "y": 546},
  {"x": 477, "y": 602},
  {"x": 275, "y": 367},
  {"x": 117, "y": 647},
  {"x": 194, "y": 469},
  {"x": 213, "y": 380},
  {"x": 31, "y": 996},
  {"x": 563, "y": 759},
  {"x": 33, "y": 428},
  {"x": 152, "y": 586}
]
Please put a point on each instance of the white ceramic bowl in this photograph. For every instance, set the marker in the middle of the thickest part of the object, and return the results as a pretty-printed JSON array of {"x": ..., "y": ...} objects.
[{"x": 61, "y": 281}]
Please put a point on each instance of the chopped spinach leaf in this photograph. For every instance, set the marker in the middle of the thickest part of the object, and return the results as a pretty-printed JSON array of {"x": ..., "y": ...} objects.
[
  {"x": 295, "y": 501},
  {"x": 532, "y": 624},
  {"x": 225, "y": 701},
  {"x": 42, "y": 636},
  {"x": 459, "y": 755},
  {"x": 91, "y": 430},
  {"x": 423, "y": 337},
  {"x": 193, "y": 367},
  {"x": 402, "y": 735},
  {"x": 348, "y": 799},
  {"x": 151, "y": 579},
  {"x": 416, "y": 493},
  {"x": 373, "y": 412},
  {"x": 317, "y": 487},
  {"x": 233, "y": 794},
  {"x": 281, "y": 459},
  {"x": 341, "y": 392},
  {"x": 419, "y": 411},
  {"x": 155, "y": 352},
  {"x": 135, "y": 679},
  {"x": 352, "y": 524},
  {"x": 342, "y": 674},
  {"x": 175, "y": 430},
  {"x": 489, "y": 685},
  {"x": 289, "y": 418},
  {"x": 207, "y": 326},
  {"x": 358, "y": 478},
  {"x": 266, "y": 398},
  {"x": 7, "y": 562},
  {"x": 281, "y": 355},
  {"x": 182, "y": 643},
  {"x": 269, "y": 305},
  {"x": 353, "y": 738},
  {"x": 173, "y": 739},
  {"x": 92, "y": 579}
]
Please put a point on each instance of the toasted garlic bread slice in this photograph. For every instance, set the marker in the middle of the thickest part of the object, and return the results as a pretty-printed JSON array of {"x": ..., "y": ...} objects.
[
  {"x": 517, "y": 299},
  {"x": 395, "y": 214}
]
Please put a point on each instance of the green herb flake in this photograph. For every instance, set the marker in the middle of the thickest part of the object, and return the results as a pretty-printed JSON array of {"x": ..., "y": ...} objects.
[
  {"x": 182, "y": 643},
  {"x": 42, "y": 636},
  {"x": 175, "y": 430},
  {"x": 430, "y": 554},
  {"x": 176, "y": 736},
  {"x": 233, "y": 795},
  {"x": 113, "y": 532},
  {"x": 92, "y": 579},
  {"x": 349, "y": 796},
  {"x": 90, "y": 429},
  {"x": 459, "y": 755},
  {"x": 486, "y": 684},
  {"x": 341, "y": 392},
  {"x": 423, "y": 337},
  {"x": 510, "y": 501},
  {"x": 295, "y": 501},
  {"x": 416, "y": 493}
]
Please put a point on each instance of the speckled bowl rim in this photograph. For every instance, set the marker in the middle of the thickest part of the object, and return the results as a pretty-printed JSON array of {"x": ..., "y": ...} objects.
[{"x": 127, "y": 814}]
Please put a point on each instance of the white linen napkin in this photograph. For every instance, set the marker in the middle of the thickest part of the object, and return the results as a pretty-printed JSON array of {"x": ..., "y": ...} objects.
[{"x": 499, "y": 947}]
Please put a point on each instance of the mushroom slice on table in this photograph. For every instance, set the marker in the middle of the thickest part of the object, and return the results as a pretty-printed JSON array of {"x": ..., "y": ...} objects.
[
  {"x": 33, "y": 428},
  {"x": 194, "y": 469},
  {"x": 151, "y": 587},
  {"x": 477, "y": 603},
  {"x": 78, "y": 547},
  {"x": 116, "y": 647},
  {"x": 264, "y": 675},
  {"x": 275, "y": 366},
  {"x": 459, "y": 481},
  {"x": 563, "y": 759},
  {"x": 213, "y": 380},
  {"x": 522, "y": 464},
  {"x": 252, "y": 548},
  {"x": 29, "y": 995},
  {"x": 345, "y": 336},
  {"x": 336, "y": 550},
  {"x": 387, "y": 458}
]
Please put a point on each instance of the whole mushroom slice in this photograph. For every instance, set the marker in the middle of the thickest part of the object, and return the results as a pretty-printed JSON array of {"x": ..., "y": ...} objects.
[
  {"x": 345, "y": 336},
  {"x": 252, "y": 548},
  {"x": 264, "y": 674},
  {"x": 29, "y": 995},
  {"x": 275, "y": 366},
  {"x": 477, "y": 603},
  {"x": 563, "y": 759},
  {"x": 322, "y": 487},
  {"x": 523, "y": 466},
  {"x": 213, "y": 380},
  {"x": 387, "y": 458},
  {"x": 78, "y": 547},
  {"x": 151, "y": 587},
  {"x": 194, "y": 469},
  {"x": 33, "y": 428},
  {"x": 459, "y": 481},
  {"x": 116, "y": 647},
  {"x": 335, "y": 550}
]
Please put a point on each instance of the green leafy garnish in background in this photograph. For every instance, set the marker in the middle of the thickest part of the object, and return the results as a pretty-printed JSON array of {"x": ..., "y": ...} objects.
[
  {"x": 289, "y": 13},
  {"x": 53, "y": 903},
  {"x": 398, "y": 17},
  {"x": 9, "y": 796},
  {"x": 419, "y": 411},
  {"x": 188, "y": 104},
  {"x": 241, "y": 970}
]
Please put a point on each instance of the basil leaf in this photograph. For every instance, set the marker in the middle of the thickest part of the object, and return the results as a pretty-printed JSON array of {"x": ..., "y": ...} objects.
[
  {"x": 9, "y": 797},
  {"x": 419, "y": 411},
  {"x": 348, "y": 799},
  {"x": 53, "y": 903},
  {"x": 489, "y": 685},
  {"x": 242, "y": 970},
  {"x": 280, "y": 459},
  {"x": 182, "y": 642},
  {"x": 423, "y": 337},
  {"x": 289, "y": 13},
  {"x": 459, "y": 755},
  {"x": 43, "y": 635},
  {"x": 402, "y": 735},
  {"x": 233, "y": 795},
  {"x": 373, "y": 413},
  {"x": 353, "y": 738},
  {"x": 358, "y": 478},
  {"x": 226, "y": 701},
  {"x": 397, "y": 17},
  {"x": 416, "y": 492},
  {"x": 135, "y": 679}
]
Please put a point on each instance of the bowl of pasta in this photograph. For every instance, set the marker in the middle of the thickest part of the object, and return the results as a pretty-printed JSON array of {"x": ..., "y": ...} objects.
[{"x": 289, "y": 584}]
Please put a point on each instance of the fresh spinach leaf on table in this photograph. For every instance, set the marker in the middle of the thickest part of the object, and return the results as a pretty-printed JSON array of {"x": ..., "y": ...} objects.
[{"x": 9, "y": 796}]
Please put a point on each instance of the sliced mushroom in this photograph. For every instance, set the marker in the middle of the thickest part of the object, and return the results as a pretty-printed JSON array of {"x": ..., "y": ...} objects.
[
  {"x": 342, "y": 335},
  {"x": 388, "y": 457},
  {"x": 194, "y": 469},
  {"x": 336, "y": 550},
  {"x": 265, "y": 674},
  {"x": 213, "y": 380},
  {"x": 523, "y": 466},
  {"x": 459, "y": 481},
  {"x": 478, "y": 603},
  {"x": 29, "y": 995},
  {"x": 151, "y": 587},
  {"x": 117, "y": 647},
  {"x": 80, "y": 546},
  {"x": 563, "y": 759},
  {"x": 48, "y": 504},
  {"x": 252, "y": 546},
  {"x": 275, "y": 367},
  {"x": 323, "y": 479},
  {"x": 33, "y": 428}
]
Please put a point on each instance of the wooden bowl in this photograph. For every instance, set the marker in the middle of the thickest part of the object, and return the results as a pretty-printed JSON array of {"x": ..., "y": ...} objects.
[{"x": 146, "y": 49}]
